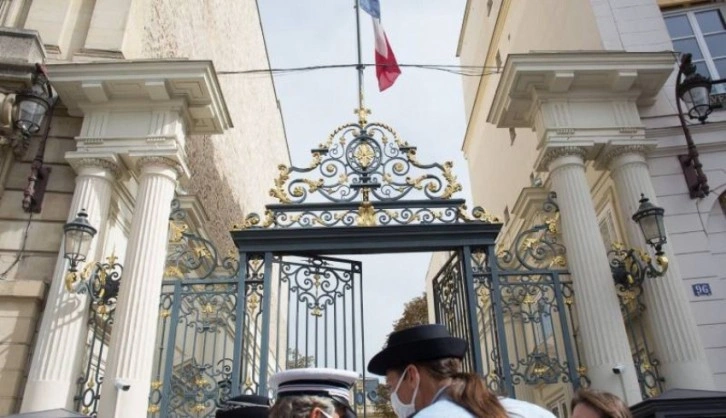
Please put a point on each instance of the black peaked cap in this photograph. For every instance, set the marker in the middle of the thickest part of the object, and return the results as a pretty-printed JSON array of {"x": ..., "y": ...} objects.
[{"x": 419, "y": 343}]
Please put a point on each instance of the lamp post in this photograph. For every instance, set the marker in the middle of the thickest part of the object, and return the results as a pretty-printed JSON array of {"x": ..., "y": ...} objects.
[
  {"x": 630, "y": 267},
  {"x": 695, "y": 90},
  {"x": 99, "y": 280}
]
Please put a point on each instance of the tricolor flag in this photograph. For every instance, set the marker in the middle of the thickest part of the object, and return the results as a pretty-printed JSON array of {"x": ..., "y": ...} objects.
[{"x": 387, "y": 69}]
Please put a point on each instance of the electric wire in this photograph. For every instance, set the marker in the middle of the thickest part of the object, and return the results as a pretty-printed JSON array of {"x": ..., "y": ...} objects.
[
  {"x": 19, "y": 256},
  {"x": 463, "y": 70}
]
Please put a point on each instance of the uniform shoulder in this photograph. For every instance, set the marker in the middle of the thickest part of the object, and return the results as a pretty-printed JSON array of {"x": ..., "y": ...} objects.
[
  {"x": 522, "y": 409},
  {"x": 443, "y": 409}
]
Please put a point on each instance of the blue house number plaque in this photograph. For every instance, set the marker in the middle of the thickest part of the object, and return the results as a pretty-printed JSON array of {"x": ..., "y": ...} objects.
[{"x": 702, "y": 289}]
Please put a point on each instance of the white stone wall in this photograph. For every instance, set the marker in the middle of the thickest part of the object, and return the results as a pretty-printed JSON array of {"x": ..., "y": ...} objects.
[{"x": 232, "y": 173}]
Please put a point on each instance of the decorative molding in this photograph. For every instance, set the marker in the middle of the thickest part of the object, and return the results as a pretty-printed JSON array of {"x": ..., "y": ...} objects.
[
  {"x": 156, "y": 160},
  {"x": 528, "y": 79},
  {"x": 550, "y": 154},
  {"x": 616, "y": 151},
  {"x": 78, "y": 163},
  {"x": 187, "y": 87}
]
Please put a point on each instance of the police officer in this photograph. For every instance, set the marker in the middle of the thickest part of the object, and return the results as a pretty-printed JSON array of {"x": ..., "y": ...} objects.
[{"x": 313, "y": 393}]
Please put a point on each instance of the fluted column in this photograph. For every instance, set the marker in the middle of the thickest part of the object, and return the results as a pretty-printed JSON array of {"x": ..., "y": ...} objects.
[
  {"x": 604, "y": 339},
  {"x": 59, "y": 351},
  {"x": 133, "y": 338},
  {"x": 675, "y": 335}
]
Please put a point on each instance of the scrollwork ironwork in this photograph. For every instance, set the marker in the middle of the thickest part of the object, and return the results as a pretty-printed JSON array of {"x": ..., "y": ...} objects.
[
  {"x": 364, "y": 175},
  {"x": 101, "y": 282},
  {"x": 538, "y": 247},
  {"x": 191, "y": 256},
  {"x": 371, "y": 157},
  {"x": 630, "y": 269}
]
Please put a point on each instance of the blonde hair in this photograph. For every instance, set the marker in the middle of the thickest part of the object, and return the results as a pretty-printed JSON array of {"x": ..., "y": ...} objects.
[{"x": 605, "y": 403}]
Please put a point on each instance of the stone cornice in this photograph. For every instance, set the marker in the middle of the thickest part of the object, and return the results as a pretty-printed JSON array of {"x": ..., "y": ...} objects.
[
  {"x": 636, "y": 75},
  {"x": 84, "y": 87}
]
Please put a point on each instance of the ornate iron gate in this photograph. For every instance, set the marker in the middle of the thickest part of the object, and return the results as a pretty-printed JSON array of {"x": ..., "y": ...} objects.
[
  {"x": 225, "y": 326},
  {"x": 523, "y": 301},
  {"x": 212, "y": 338}
]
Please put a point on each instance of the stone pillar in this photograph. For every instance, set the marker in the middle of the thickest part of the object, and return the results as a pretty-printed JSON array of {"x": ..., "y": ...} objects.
[
  {"x": 604, "y": 339},
  {"x": 59, "y": 350},
  {"x": 133, "y": 338},
  {"x": 675, "y": 335}
]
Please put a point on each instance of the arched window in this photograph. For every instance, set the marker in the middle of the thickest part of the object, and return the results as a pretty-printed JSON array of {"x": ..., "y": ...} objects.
[{"x": 722, "y": 202}]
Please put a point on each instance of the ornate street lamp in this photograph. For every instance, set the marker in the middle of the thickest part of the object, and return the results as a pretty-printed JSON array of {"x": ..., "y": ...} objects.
[
  {"x": 33, "y": 110},
  {"x": 33, "y": 104},
  {"x": 630, "y": 267},
  {"x": 650, "y": 219},
  {"x": 694, "y": 90},
  {"x": 100, "y": 280},
  {"x": 78, "y": 235}
]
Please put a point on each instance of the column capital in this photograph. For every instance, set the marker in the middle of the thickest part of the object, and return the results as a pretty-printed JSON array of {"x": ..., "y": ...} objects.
[
  {"x": 611, "y": 153},
  {"x": 106, "y": 163},
  {"x": 143, "y": 164},
  {"x": 548, "y": 155}
]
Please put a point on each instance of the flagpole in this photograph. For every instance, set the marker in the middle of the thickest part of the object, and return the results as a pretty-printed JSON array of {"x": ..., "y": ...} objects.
[{"x": 361, "y": 111}]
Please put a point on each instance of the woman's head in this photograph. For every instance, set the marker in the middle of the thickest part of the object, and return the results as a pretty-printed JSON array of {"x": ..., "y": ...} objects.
[
  {"x": 304, "y": 406},
  {"x": 423, "y": 377},
  {"x": 416, "y": 385},
  {"x": 596, "y": 404}
]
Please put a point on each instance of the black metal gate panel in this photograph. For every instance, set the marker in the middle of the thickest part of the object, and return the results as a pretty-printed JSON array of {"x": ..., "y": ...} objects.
[
  {"x": 311, "y": 317},
  {"x": 323, "y": 327},
  {"x": 524, "y": 332}
]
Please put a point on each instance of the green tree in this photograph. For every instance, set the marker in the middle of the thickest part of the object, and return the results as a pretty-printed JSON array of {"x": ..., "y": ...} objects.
[
  {"x": 383, "y": 402},
  {"x": 295, "y": 360},
  {"x": 415, "y": 312}
]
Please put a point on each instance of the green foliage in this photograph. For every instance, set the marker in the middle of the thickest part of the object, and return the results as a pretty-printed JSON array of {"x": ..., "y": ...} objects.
[
  {"x": 415, "y": 312},
  {"x": 383, "y": 402},
  {"x": 297, "y": 361}
]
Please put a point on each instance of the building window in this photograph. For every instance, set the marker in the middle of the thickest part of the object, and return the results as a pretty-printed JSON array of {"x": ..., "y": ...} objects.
[
  {"x": 558, "y": 407},
  {"x": 490, "y": 3},
  {"x": 512, "y": 135},
  {"x": 702, "y": 33},
  {"x": 609, "y": 234}
]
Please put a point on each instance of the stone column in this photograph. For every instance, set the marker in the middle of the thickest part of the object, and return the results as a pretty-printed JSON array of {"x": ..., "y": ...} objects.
[
  {"x": 59, "y": 350},
  {"x": 674, "y": 332},
  {"x": 131, "y": 349},
  {"x": 604, "y": 339}
]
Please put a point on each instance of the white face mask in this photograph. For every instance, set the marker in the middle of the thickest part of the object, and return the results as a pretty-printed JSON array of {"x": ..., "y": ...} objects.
[{"x": 401, "y": 409}]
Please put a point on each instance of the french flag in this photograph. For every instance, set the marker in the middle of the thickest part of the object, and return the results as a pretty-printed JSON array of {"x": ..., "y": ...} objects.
[{"x": 387, "y": 70}]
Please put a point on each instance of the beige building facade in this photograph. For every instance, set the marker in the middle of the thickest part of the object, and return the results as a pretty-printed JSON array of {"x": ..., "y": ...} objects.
[
  {"x": 579, "y": 98},
  {"x": 151, "y": 107}
]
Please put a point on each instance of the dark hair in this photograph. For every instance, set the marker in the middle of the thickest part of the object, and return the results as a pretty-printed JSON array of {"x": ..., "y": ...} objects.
[
  {"x": 467, "y": 390},
  {"x": 606, "y": 404}
]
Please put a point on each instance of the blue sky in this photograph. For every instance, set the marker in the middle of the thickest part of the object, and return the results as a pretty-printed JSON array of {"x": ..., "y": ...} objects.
[{"x": 424, "y": 106}]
